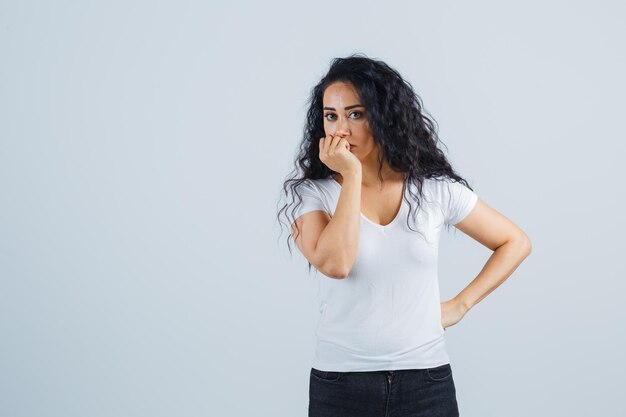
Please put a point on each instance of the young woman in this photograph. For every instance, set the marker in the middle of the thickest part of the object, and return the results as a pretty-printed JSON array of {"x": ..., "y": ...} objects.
[{"x": 367, "y": 211}]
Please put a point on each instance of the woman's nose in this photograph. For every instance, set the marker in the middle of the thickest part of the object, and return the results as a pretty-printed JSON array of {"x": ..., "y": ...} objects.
[
  {"x": 341, "y": 133},
  {"x": 342, "y": 126},
  {"x": 342, "y": 130}
]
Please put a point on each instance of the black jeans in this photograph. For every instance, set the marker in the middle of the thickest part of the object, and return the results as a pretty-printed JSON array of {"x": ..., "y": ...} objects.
[{"x": 401, "y": 393}]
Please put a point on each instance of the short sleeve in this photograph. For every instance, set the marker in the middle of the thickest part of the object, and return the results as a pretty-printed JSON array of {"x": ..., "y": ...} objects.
[
  {"x": 458, "y": 202},
  {"x": 311, "y": 199}
]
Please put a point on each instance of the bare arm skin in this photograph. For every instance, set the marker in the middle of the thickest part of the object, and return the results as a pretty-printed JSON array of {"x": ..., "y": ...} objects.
[
  {"x": 510, "y": 247},
  {"x": 330, "y": 244}
]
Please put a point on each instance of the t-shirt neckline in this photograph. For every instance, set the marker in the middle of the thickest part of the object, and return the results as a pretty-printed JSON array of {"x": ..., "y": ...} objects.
[{"x": 376, "y": 225}]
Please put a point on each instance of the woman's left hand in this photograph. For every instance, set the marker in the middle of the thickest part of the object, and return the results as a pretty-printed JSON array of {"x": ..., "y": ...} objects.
[{"x": 452, "y": 311}]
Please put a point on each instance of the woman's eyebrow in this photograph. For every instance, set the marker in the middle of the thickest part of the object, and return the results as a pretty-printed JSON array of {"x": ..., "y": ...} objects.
[{"x": 347, "y": 107}]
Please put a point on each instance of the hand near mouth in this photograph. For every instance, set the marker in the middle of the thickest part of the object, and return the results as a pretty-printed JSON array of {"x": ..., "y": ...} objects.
[{"x": 336, "y": 153}]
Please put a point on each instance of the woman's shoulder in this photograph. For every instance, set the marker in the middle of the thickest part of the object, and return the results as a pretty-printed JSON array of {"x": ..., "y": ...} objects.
[
  {"x": 438, "y": 182},
  {"x": 432, "y": 184},
  {"x": 320, "y": 183},
  {"x": 319, "y": 187},
  {"x": 440, "y": 188}
]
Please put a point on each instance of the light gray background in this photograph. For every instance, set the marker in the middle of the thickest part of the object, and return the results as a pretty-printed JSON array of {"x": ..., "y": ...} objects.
[{"x": 143, "y": 147}]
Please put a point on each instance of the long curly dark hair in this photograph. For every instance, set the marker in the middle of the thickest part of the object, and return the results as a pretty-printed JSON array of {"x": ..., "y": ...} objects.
[{"x": 405, "y": 135}]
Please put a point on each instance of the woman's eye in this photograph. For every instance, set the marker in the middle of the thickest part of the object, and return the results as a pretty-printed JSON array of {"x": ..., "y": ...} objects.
[{"x": 358, "y": 113}]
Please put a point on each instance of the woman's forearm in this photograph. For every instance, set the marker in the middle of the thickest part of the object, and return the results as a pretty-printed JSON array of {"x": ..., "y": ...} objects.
[
  {"x": 500, "y": 265},
  {"x": 338, "y": 243}
]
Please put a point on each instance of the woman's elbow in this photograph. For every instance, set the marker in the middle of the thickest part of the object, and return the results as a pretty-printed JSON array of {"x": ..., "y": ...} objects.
[
  {"x": 524, "y": 243},
  {"x": 334, "y": 270}
]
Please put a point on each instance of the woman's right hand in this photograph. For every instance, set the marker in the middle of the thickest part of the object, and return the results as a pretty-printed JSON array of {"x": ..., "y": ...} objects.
[{"x": 335, "y": 154}]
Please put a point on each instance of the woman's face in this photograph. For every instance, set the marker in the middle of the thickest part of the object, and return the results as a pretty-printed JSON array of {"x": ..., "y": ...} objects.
[{"x": 345, "y": 116}]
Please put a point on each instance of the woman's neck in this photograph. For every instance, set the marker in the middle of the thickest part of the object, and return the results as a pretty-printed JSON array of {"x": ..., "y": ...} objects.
[{"x": 370, "y": 179}]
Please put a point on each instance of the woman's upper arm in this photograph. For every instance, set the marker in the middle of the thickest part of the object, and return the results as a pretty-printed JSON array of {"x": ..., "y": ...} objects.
[
  {"x": 491, "y": 228},
  {"x": 311, "y": 225}
]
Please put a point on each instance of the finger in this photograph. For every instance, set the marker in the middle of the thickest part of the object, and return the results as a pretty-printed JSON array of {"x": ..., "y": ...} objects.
[
  {"x": 336, "y": 142},
  {"x": 324, "y": 145},
  {"x": 343, "y": 143},
  {"x": 328, "y": 143}
]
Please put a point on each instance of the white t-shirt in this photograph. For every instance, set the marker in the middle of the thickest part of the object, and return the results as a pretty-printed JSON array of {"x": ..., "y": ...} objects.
[{"x": 386, "y": 314}]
